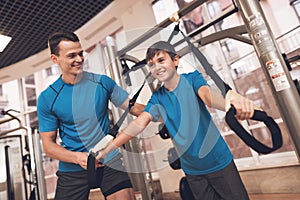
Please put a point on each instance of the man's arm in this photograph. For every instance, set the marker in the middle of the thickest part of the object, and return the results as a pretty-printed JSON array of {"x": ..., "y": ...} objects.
[
  {"x": 136, "y": 110},
  {"x": 53, "y": 150},
  {"x": 244, "y": 107},
  {"x": 134, "y": 128}
]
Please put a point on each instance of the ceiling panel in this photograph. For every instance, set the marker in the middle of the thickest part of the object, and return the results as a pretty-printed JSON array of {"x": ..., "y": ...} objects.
[{"x": 30, "y": 22}]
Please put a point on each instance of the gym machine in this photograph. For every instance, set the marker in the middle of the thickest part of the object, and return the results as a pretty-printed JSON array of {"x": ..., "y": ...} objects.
[
  {"x": 265, "y": 46},
  {"x": 24, "y": 176}
]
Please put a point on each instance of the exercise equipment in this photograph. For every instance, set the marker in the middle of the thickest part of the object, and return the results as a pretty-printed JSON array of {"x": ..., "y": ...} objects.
[
  {"x": 185, "y": 190},
  {"x": 230, "y": 119},
  {"x": 163, "y": 131},
  {"x": 23, "y": 161},
  {"x": 173, "y": 159},
  {"x": 93, "y": 153}
]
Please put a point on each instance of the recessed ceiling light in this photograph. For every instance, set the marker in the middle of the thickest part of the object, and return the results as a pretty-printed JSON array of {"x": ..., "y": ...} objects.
[
  {"x": 188, "y": 1},
  {"x": 4, "y": 40}
]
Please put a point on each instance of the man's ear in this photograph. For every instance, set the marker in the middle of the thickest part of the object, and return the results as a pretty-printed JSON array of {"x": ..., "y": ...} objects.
[{"x": 54, "y": 58}]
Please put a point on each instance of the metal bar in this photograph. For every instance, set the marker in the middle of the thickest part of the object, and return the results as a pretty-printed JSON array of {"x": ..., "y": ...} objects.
[
  {"x": 9, "y": 175},
  {"x": 133, "y": 164},
  {"x": 3, "y": 133},
  {"x": 2, "y": 121},
  {"x": 274, "y": 67},
  {"x": 227, "y": 12},
  {"x": 158, "y": 27},
  {"x": 233, "y": 33},
  {"x": 40, "y": 176}
]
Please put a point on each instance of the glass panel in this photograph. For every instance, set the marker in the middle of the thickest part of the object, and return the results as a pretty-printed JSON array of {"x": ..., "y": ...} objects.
[
  {"x": 238, "y": 148},
  {"x": 254, "y": 85},
  {"x": 33, "y": 119},
  {"x": 30, "y": 79},
  {"x": 50, "y": 168},
  {"x": 192, "y": 20},
  {"x": 263, "y": 135},
  {"x": 31, "y": 96},
  {"x": 296, "y": 5}
]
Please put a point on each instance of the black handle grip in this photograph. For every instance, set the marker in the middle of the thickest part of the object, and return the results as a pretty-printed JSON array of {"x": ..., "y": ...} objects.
[
  {"x": 248, "y": 138},
  {"x": 92, "y": 173}
]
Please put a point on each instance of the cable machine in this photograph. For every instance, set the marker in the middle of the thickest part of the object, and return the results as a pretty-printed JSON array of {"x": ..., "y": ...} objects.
[
  {"x": 272, "y": 62},
  {"x": 24, "y": 175},
  {"x": 283, "y": 88}
]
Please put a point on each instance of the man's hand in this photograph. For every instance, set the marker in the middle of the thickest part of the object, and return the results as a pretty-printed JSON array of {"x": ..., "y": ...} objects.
[{"x": 81, "y": 159}]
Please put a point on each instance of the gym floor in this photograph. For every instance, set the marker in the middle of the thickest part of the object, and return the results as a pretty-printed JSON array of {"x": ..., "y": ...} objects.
[{"x": 176, "y": 196}]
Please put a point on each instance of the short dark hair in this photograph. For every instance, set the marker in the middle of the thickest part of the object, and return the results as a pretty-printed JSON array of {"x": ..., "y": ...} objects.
[
  {"x": 160, "y": 46},
  {"x": 59, "y": 36}
]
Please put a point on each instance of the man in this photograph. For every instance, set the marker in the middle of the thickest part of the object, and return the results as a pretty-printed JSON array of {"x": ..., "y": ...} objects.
[{"x": 76, "y": 107}]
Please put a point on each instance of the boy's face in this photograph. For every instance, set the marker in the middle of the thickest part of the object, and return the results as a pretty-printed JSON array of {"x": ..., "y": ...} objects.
[
  {"x": 70, "y": 58},
  {"x": 162, "y": 67}
]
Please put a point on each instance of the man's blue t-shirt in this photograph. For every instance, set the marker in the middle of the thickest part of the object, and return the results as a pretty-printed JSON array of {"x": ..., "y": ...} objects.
[
  {"x": 79, "y": 112},
  {"x": 199, "y": 144}
]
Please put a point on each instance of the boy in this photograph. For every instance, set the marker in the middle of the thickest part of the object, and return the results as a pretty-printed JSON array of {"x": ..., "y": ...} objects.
[{"x": 181, "y": 104}]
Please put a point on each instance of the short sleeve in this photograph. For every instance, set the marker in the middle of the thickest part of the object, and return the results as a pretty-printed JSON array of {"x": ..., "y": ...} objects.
[
  {"x": 153, "y": 107},
  {"x": 117, "y": 94},
  {"x": 197, "y": 80},
  {"x": 47, "y": 120}
]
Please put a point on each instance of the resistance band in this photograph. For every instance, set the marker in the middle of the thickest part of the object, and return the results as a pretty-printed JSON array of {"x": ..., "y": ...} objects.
[
  {"x": 229, "y": 118},
  {"x": 91, "y": 171}
]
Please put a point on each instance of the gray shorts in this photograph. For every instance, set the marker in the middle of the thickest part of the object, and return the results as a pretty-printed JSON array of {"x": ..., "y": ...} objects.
[
  {"x": 225, "y": 184},
  {"x": 74, "y": 185}
]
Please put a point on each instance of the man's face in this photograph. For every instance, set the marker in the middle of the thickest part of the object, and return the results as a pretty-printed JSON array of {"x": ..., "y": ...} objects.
[
  {"x": 162, "y": 67},
  {"x": 70, "y": 57}
]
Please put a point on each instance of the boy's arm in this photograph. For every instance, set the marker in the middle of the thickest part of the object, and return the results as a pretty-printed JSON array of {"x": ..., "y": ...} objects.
[
  {"x": 244, "y": 107},
  {"x": 211, "y": 99},
  {"x": 134, "y": 128}
]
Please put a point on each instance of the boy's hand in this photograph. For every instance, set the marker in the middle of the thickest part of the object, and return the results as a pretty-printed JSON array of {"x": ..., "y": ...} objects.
[
  {"x": 103, "y": 152},
  {"x": 244, "y": 107},
  {"x": 101, "y": 155}
]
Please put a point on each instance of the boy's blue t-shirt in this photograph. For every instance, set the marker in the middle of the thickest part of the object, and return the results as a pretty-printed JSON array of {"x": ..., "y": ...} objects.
[
  {"x": 79, "y": 112},
  {"x": 199, "y": 144}
]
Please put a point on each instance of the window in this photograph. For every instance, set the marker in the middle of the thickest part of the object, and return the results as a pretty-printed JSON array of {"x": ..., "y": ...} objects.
[
  {"x": 53, "y": 70},
  {"x": 1, "y": 90},
  {"x": 296, "y": 6}
]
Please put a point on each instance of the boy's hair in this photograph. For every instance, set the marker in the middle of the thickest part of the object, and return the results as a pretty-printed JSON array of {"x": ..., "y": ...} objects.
[
  {"x": 59, "y": 36},
  {"x": 160, "y": 46}
]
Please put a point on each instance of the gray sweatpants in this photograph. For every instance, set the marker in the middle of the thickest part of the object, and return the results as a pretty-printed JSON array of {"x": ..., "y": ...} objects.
[{"x": 225, "y": 184}]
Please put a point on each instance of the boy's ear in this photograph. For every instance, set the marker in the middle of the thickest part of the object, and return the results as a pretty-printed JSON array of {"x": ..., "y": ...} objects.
[{"x": 176, "y": 60}]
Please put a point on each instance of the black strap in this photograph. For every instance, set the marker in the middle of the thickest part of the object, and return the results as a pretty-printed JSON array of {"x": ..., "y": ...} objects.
[
  {"x": 114, "y": 130},
  {"x": 91, "y": 171},
  {"x": 249, "y": 139},
  {"x": 230, "y": 118}
]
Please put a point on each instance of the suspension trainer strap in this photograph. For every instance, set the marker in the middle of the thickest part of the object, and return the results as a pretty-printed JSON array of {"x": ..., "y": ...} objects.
[
  {"x": 230, "y": 118},
  {"x": 91, "y": 171}
]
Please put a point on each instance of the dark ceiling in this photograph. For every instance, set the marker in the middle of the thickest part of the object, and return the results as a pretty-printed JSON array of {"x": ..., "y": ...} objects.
[{"x": 30, "y": 22}]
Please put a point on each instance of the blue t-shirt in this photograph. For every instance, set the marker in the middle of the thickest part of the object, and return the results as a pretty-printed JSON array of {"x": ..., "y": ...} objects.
[
  {"x": 199, "y": 144},
  {"x": 79, "y": 112}
]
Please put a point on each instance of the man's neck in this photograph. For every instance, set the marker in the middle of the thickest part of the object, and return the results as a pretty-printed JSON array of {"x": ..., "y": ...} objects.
[{"x": 71, "y": 79}]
